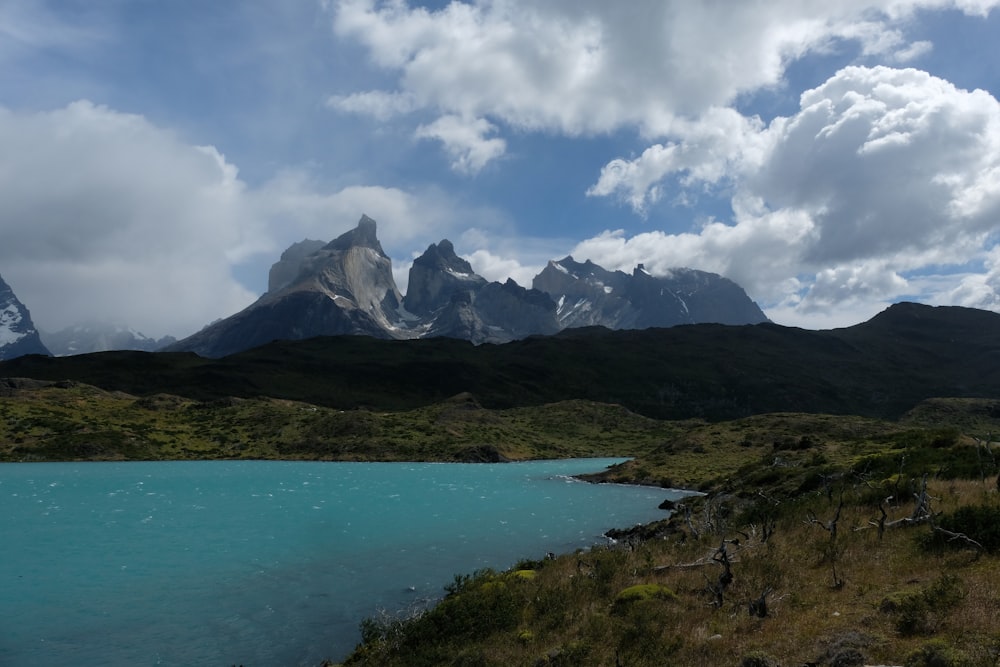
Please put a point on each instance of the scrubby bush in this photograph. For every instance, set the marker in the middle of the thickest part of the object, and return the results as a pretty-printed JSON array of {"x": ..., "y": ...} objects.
[
  {"x": 921, "y": 610},
  {"x": 642, "y": 592},
  {"x": 937, "y": 653}
]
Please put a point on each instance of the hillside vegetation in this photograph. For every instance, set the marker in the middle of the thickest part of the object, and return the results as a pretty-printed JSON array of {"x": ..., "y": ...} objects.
[
  {"x": 821, "y": 541},
  {"x": 45, "y": 421},
  {"x": 881, "y": 368}
]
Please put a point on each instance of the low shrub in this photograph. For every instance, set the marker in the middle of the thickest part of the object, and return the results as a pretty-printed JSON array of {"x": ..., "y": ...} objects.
[
  {"x": 643, "y": 592},
  {"x": 937, "y": 653},
  {"x": 921, "y": 610}
]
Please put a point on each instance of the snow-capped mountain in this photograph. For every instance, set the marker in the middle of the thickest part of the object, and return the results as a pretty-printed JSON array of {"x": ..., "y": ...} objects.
[
  {"x": 18, "y": 335},
  {"x": 346, "y": 287},
  {"x": 100, "y": 337},
  {"x": 587, "y": 295}
]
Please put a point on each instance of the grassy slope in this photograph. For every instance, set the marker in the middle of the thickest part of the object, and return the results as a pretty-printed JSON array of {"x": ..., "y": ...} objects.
[
  {"x": 846, "y": 598},
  {"x": 72, "y": 421}
]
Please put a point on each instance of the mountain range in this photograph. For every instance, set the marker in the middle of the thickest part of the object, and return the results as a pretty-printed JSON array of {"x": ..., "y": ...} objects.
[
  {"x": 95, "y": 336},
  {"x": 18, "y": 334},
  {"x": 346, "y": 287}
]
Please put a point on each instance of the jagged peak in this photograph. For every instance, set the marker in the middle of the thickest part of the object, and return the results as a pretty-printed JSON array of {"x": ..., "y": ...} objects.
[
  {"x": 438, "y": 254},
  {"x": 441, "y": 257},
  {"x": 362, "y": 236}
]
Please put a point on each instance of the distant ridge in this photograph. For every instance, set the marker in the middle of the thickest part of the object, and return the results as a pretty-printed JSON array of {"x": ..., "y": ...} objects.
[
  {"x": 99, "y": 337},
  {"x": 346, "y": 287},
  {"x": 879, "y": 368}
]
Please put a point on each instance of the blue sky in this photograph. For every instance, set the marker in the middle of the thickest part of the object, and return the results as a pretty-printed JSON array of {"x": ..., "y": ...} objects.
[{"x": 832, "y": 158}]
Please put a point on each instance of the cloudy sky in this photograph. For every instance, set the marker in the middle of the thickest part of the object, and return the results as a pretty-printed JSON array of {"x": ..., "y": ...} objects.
[{"x": 830, "y": 157}]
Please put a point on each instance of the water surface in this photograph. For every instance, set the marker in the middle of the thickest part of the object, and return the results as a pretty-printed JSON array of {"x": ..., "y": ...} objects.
[{"x": 265, "y": 562}]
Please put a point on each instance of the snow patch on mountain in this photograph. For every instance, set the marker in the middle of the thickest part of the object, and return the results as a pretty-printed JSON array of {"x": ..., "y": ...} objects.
[{"x": 10, "y": 318}]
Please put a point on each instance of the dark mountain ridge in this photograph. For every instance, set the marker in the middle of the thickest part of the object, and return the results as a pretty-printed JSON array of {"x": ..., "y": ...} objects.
[{"x": 879, "y": 368}]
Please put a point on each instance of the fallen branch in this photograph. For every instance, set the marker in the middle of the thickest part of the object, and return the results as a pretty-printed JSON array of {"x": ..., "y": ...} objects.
[{"x": 959, "y": 536}]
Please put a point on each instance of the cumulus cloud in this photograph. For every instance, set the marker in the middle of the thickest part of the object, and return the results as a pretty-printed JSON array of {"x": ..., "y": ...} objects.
[
  {"x": 466, "y": 140},
  {"x": 103, "y": 212},
  {"x": 881, "y": 171},
  {"x": 588, "y": 67},
  {"x": 106, "y": 216}
]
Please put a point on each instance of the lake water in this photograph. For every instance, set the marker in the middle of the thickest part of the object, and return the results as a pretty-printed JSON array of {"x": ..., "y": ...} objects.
[{"x": 266, "y": 563}]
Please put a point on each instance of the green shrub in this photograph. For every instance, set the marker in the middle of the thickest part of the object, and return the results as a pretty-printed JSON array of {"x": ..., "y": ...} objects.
[
  {"x": 920, "y": 610},
  {"x": 642, "y": 592},
  {"x": 937, "y": 653}
]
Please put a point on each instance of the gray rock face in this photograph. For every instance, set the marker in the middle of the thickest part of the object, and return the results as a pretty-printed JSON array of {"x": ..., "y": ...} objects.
[
  {"x": 588, "y": 295},
  {"x": 346, "y": 287},
  {"x": 289, "y": 267},
  {"x": 342, "y": 288},
  {"x": 18, "y": 335},
  {"x": 437, "y": 276},
  {"x": 495, "y": 313},
  {"x": 455, "y": 302}
]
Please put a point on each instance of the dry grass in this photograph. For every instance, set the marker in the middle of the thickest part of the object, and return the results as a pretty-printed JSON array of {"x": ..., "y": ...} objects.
[{"x": 826, "y": 597}]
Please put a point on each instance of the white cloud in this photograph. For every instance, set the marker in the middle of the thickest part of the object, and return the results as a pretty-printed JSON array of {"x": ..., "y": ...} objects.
[
  {"x": 499, "y": 269},
  {"x": 378, "y": 104},
  {"x": 711, "y": 147},
  {"x": 465, "y": 140},
  {"x": 101, "y": 212},
  {"x": 882, "y": 171},
  {"x": 589, "y": 67},
  {"x": 104, "y": 215},
  {"x": 978, "y": 290}
]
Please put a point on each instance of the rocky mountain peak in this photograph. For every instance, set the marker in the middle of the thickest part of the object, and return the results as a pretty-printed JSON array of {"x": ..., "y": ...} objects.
[
  {"x": 346, "y": 286},
  {"x": 365, "y": 235},
  {"x": 18, "y": 335},
  {"x": 437, "y": 276}
]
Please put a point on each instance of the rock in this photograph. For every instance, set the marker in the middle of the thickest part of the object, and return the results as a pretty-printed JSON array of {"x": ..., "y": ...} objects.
[{"x": 18, "y": 335}]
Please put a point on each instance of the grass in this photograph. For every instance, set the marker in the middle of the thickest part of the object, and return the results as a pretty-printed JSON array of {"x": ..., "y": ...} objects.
[
  {"x": 881, "y": 600},
  {"x": 72, "y": 421}
]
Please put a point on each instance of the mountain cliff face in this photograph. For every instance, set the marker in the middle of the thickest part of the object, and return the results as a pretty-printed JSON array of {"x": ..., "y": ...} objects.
[
  {"x": 342, "y": 288},
  {"x": 588, "y": 295},
  {"x": 287, "y": 269},
  {"x": 346, "y": 287},
  {"x": 452, "y": 300},
  {"x": 18, "y": 335}
]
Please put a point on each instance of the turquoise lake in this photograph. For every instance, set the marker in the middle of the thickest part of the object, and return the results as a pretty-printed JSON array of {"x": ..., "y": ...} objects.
[{"x": 266, "y": 563}]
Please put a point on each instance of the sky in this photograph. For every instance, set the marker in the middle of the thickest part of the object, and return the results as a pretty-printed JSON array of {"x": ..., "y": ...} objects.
[{"x": 832, "y": 158}]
